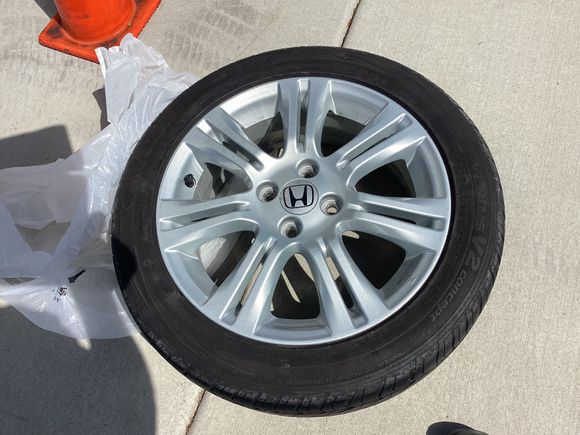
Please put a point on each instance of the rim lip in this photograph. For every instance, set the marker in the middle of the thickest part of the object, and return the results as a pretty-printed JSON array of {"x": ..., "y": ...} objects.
[{"x": 419, "y": 284}]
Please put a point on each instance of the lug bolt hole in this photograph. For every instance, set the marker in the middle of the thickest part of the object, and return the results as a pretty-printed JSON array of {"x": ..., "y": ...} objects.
[
  {"x": 331, "y": 206},
  {"x": 290, "y": 229},
  {"x": 267, "y": 193},
  {"x": 308, "y": 169}
]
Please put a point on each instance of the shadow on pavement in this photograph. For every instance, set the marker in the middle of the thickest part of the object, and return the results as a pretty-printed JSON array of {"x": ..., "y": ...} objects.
[
  {"x": 47, "y": 6},
  {"x": 50, "y": 384},
  {"x": 35, "y": 148},
  {"x": 99, "y": 96}
]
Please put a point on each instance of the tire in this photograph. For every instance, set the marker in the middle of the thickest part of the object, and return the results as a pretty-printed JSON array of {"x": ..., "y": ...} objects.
[{"x": 325, "y": 377}]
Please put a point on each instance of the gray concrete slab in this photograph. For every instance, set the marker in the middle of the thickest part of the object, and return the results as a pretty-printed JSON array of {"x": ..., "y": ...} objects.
[
  {"x": 50, "y": 105},
  {"x": 514, "y": 67},
  {"x": 201, "y": 36}
]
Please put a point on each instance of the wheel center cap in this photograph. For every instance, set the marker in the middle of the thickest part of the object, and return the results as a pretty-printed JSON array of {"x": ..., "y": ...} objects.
[{"x": 299, "y": 197}]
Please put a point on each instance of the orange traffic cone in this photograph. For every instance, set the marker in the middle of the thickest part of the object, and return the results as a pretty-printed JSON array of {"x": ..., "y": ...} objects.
[{"x": 80, "y": 26}]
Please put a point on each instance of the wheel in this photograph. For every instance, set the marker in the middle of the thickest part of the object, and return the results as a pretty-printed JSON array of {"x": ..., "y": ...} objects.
[{"x": 308, "y": 231}]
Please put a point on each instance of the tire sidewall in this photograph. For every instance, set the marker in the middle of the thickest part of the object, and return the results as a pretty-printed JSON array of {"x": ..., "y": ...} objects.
[{"x": 219, "y": 359}]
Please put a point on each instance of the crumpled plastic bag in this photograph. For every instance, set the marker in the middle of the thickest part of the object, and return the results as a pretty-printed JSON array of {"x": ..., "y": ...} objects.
[{"x": 55, "y": 255}]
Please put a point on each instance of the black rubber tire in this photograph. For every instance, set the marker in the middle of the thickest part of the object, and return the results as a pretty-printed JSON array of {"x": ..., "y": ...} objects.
[{"x": 355, "y": 372}]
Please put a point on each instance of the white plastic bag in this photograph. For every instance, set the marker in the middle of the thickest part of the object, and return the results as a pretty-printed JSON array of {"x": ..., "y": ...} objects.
[{"x": 54, "y": 218}]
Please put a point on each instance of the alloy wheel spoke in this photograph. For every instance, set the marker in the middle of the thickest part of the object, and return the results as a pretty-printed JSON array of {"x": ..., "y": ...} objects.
[
  {"x": 320, "y": 102},
  {"x": 400, "y": 146},
  {"x": 332, "y": 305},
  {"x": 414, "y": 239},
  {"x": 221, "y": 121},
  {"x": 197, "y": 233},
  {"x": 289, "y": 106},
  {"x": 169, "y": 210},
  {"x": 228, "y": 295},
  {"x": 383, "y": 125},
  {"x": 208, "y": 150},
  {"x": 256, "y": 308},
  {"x": 404, "y": 208}
]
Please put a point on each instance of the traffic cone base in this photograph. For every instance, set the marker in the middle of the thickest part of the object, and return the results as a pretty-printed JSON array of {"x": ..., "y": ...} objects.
[{"x": 56, "y": 37}]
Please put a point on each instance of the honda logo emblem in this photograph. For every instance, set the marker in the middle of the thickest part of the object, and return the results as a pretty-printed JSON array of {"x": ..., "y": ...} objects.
[{"x": 299, "y": 197}]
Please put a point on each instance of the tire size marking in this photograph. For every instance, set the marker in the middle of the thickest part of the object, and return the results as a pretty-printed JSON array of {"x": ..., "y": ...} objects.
[
  {"x": 450, "y": 295},
  {"x": 476, "y": 251},
  {"x": 392, "y": 358},
  {"x": 481, "y": 192}
]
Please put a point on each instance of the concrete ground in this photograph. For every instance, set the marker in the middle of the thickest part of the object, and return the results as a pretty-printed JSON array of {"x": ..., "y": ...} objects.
[{"x": 513, "y": 66}]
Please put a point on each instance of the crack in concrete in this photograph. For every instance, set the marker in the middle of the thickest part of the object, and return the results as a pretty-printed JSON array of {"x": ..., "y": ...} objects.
[
  {"x": 350, "y": 22},
  {"x": 192, "y": 419}
]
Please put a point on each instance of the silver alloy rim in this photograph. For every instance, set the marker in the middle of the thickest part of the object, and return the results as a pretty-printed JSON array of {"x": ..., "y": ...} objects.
[{"x": 303, "y": 203}]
